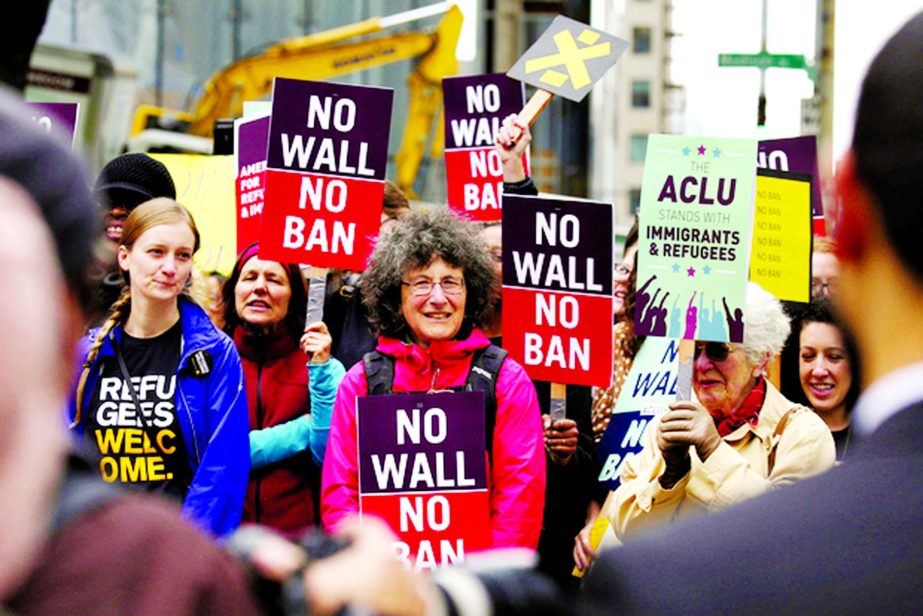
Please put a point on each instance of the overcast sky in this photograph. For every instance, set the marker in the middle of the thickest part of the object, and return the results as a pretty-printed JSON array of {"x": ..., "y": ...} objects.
[{"x": 723, "y": 101}]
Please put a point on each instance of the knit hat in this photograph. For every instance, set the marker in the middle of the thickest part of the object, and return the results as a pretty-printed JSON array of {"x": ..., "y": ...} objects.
[
  {"x": 253, "y": 250},
  {"x": 131, "y": 179}
]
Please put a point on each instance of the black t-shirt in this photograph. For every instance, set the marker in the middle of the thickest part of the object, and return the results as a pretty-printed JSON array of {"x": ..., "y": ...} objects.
[{"x": 145, "y": 450}]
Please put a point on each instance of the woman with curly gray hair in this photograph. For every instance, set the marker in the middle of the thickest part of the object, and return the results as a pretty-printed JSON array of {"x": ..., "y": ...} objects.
[
  {"x": 429, "y": 289},
  {"x": 740, "y": 437}
]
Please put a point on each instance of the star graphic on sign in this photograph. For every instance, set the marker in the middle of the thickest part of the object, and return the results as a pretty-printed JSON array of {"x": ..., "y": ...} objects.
[
  {"x": 716, "y": 153},
  {"x": 676, "y": 268},
  {"x": 706, "y": 270},
  {"x": 701, "y": 150},
  {"x": 686, "y": 151},
  {"x": 691, "y": 272}
]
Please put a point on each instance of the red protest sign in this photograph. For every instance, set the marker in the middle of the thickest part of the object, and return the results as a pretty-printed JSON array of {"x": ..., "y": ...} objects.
[
  {"x": 557, "y": 288},
  {"x": 328, "y": 149},
  {"x": 423, "y": 469},
  {"x": 474, "y": 107}
]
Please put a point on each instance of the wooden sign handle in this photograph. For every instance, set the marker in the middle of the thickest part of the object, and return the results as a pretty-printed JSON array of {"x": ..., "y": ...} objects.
[{"x": 532, "y": 110}]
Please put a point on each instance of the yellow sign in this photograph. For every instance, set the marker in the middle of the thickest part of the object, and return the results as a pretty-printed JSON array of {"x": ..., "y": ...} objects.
[
  {"x": 205, "y": 185},
  {"x": 568, "y": 58},
  {"x": 571, "y": 58},
  {"x": 780, "y": 258}
]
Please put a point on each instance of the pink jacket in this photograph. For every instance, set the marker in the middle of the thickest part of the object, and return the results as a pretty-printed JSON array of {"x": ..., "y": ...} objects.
[{"x": 517, "y": 475}]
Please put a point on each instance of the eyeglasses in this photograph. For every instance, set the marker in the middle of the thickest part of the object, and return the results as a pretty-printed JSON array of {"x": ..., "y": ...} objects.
[
  {"x": 823, "y": 287},
  {"x": 422, "y": 287},
  {"x": 715, "y": 351},
  {"x": 622, "y": 270}
]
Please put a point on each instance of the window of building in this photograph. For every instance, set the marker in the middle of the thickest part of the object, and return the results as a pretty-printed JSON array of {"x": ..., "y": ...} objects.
[
  {"x": 638, "y": 147},
  {"x": 634, "y": 203},
  {"x": 641, "y": 38},
  {"x": 641, "y": 93}
]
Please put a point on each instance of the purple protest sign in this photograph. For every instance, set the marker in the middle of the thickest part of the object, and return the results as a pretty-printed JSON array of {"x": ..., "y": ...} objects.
[
  {"x": 251, "y": 139},
  {"x": 422, "y": 443},
  {"x": 330, "y": 128},
  {"x": 60, "y": 117},
  {"x": 325, "y": 176},
  {"x": 557, "y": 288},
  {"x": 423, "y": 470},
  {"x": 475, "y": 106},
  {"x": 474, "y": 109},
  {"x": 798, "y": 154}
]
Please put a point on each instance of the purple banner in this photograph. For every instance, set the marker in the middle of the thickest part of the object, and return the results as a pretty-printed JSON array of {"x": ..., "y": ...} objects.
[
  {"x": 475, "y": 106},
  {"x": 251, "y": 137},
  {"x": 557, "y": 244},
  {"x": 330, "y": 128},
  {"x": 798, "y": 154},
  {"x": 422, "y": 443},
  {"x": 57, "y": 117}
]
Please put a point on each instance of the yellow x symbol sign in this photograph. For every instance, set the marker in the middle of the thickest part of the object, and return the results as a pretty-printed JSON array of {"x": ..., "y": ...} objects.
[{"x": 572, "y": 57}]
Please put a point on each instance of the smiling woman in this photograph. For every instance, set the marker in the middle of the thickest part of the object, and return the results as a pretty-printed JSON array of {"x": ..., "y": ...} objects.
[
  {"x": 429, "y": 289},
  {"x": 828, "y": 369},
  {"x": 158, "y": 400}
]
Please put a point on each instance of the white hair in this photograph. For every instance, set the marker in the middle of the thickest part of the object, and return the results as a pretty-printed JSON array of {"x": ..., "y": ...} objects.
[{"x": 766, "y": 326}]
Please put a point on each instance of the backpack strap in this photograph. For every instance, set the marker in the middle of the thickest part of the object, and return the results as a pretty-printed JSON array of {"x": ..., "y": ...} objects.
[
  {"x": 379, "y": 371},
  {"x": 482, "y": 376}
]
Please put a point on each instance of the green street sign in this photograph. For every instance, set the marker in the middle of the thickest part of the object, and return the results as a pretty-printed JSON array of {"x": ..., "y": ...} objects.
[{"x": 762, "y": 60}]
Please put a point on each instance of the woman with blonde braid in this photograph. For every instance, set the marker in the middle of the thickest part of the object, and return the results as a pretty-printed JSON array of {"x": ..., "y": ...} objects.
[{"x": 160, "y": 401}]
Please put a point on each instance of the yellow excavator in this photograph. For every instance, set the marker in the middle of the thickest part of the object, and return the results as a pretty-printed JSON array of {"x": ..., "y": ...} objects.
[{"x": 325, "y": 55}]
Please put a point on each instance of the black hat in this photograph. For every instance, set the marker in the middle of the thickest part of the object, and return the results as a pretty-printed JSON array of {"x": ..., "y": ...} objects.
[{"x": 131, "y": 179}]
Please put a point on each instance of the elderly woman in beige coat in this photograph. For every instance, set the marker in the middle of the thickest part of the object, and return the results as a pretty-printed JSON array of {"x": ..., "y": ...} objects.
[{"x": 738, "y": 439}]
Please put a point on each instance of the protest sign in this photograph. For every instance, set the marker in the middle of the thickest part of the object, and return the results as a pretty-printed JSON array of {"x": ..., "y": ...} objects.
[
  {"x": 59, "y": 117},
  {"x": 781, "y": 256},
  {"x": 568, "y": 58},
  {"x": 205, "y": 185},
  {"x": 694, "y": 237},
  {"x": 797, "y": 154},
  {"x": 557, "y": 288},
  {"x": 474, "y": 109},
  {"x": 648, "y": 390},
  {"x": 423, "y": 469},
  {"x": 251, "y": 139},
  {"x": 328, "y": 149}
]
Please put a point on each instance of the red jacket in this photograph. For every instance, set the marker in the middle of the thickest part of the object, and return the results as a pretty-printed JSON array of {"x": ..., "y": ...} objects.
[
  {"x": 517, "y": 473},
  {"x": 279, "y": 495}
]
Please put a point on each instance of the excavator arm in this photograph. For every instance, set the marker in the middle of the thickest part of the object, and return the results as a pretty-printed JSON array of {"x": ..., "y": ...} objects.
[{"x": 328, "y": 54}]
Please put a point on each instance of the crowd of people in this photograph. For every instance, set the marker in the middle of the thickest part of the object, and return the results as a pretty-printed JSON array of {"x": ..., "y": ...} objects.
[{"x": 201, "y": 405}]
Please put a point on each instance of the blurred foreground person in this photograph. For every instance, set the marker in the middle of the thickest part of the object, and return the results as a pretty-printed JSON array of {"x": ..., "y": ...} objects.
[
  {"x": 71, "y": 544},
  {"x": 68, "y": 545}
]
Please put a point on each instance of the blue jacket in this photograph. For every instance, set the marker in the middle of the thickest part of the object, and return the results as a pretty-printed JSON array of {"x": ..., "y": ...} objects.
[{"x": 212, "y": 414}]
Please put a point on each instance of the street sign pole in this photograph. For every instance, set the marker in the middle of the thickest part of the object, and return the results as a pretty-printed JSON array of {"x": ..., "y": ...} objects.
[{"x": 762, "y": 61}]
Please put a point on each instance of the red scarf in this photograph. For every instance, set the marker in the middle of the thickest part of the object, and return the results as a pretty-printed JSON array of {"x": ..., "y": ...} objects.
[{"x": 747, "y": 412}]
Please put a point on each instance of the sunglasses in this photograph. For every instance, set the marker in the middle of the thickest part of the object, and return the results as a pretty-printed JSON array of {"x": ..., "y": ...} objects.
[{"x": 715, "y": 351}]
